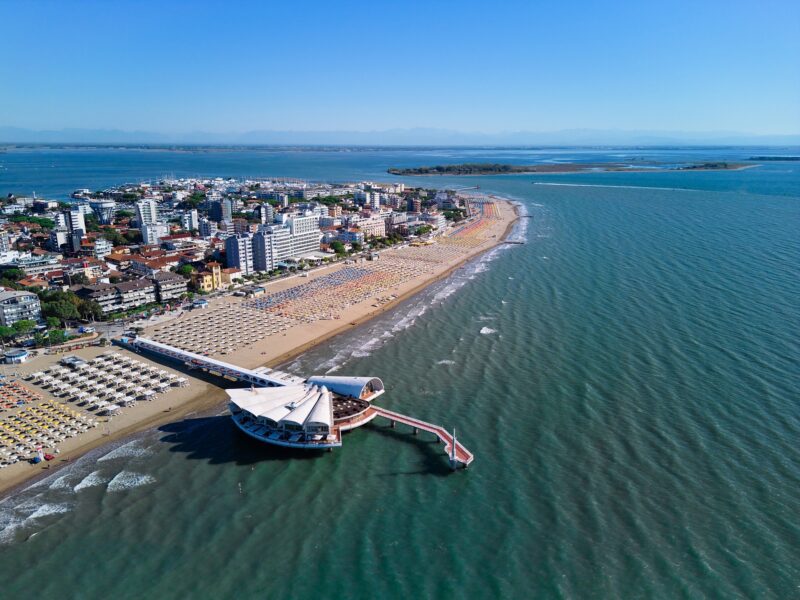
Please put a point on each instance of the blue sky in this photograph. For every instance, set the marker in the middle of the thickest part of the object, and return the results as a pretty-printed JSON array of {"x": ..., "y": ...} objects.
[{"x": 468, "y": 66}]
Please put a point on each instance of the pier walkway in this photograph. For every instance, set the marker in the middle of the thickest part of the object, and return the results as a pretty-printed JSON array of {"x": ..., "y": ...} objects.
[
  {"x": 260, "y": 377},
  {"x": 457, "y": 454}
]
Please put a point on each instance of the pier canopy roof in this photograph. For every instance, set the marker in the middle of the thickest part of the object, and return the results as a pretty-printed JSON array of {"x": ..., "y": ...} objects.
[
  {"x": 305, "y": 406},
  {"x": 357, "y": 387}
]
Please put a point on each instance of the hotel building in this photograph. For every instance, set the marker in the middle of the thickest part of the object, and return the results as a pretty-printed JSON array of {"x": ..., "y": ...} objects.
[{"x": 18, "y": 306}]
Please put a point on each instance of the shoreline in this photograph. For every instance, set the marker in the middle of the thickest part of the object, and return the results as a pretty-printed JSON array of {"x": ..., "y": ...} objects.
[
  {"x": 205, "y": 400},
  {"x": 200, "y": 404},
  {"x": 292, "y": 354}
]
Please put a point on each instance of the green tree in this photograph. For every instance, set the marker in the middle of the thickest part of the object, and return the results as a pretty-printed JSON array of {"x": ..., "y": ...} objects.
[
  {"x": 24, "y": 326},
  {"x": 185, "y": 270},
  {"x": 7, "y": 333},
  {"x": 89, "y": 309},
  {"x": 56, "y": 337},
  {"x": 121, "y": 215},
  {"x": 13, "y": 274},
  {"x": 114, "y": 236},
  {"x": 91, "y": 223},
  {"x": 63, "y": 310},
  {"x": 40, "y": 221},
  {"x": 338, "y": 247},
  {"x": 53, "y": 322},
  {"x": 78, "y": 279}
]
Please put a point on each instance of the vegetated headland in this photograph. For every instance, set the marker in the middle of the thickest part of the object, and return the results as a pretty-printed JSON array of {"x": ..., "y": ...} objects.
[{"x": 505, "y": 169}]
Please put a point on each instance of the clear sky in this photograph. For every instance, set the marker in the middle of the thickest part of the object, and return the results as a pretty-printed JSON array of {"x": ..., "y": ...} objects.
[{"x": 486, "y": 66}]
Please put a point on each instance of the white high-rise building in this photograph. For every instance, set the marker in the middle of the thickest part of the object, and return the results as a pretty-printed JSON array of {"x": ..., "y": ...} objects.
[
  {"x": 75, "y": 220},
  {"x": 59, "y": 236},
  {"x": 147, "y": 211},
  {"x": 102, "y": 248},
  {"x": 305, "y": 234},
  {"x": 153, "y": 232},
  {"x": 265, "y": 213},
  {"x": 271, "y": 245},
  {"x": 207, "y": 228},
  {"x": 190, "y": 220},
  {"x": 374, "y": 200},
  {"x": 239, "y": 253},
  {"x": 374, "y": 226}
]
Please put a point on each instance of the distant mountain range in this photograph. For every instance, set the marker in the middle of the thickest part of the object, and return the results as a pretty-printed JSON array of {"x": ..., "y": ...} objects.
[{"x": 397, "y": 137}]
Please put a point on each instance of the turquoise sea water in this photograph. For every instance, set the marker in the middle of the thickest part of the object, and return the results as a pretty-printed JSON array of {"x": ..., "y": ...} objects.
[{"x": 629, "y": 381}]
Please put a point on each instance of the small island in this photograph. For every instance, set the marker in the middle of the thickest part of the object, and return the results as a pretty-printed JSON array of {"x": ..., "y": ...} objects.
[{"x": 506, "y": 169}]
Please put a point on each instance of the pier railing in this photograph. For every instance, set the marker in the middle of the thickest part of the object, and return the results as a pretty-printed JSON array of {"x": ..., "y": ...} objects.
[{"x": 455, "y": 450}]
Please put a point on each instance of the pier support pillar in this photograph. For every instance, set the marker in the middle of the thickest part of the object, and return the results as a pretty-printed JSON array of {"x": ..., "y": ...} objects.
[
  {"x": 415, "y": 430},
  {"x": 392, "y": 424}
]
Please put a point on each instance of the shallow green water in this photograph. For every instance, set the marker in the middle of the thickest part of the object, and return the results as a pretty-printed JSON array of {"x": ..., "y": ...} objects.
[{"x": 628, "y": 381}]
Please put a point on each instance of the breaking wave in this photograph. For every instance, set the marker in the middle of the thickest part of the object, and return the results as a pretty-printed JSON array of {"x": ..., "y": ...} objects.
[
  {"x": 49, "y": 509},
  {"x": 127, "y": 480},
  {"x": 129, "y": 450},
  {"x": 93, "y": 479}
]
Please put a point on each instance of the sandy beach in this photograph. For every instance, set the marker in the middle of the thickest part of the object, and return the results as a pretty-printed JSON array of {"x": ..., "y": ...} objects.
[{"x": 311, "y": 310}]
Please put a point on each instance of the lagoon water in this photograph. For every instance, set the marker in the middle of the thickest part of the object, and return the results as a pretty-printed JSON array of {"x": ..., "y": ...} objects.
[{"x": 629, "y": 381}]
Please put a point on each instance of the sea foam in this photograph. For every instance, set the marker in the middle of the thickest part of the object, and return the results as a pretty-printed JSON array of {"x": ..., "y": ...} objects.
[
  {"x": 91, "y": 480},
  {"x": 129, "y": 450},
  {"x": 127, "y": 480},
  {"x": 47, "y": 509}
]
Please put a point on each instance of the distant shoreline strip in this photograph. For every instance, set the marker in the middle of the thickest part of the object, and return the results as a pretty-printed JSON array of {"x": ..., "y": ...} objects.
[{"x": 624, "y": 187}]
